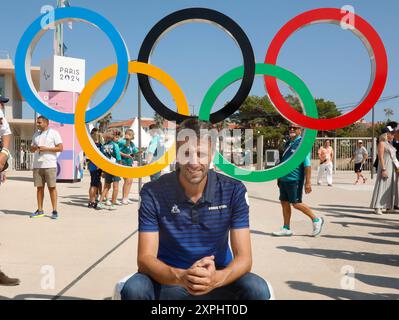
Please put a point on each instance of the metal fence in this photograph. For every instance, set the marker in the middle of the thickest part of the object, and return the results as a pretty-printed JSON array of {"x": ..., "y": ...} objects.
[
  {"x": 22, "y": 157},
  {"x": 343, "y": 151}
]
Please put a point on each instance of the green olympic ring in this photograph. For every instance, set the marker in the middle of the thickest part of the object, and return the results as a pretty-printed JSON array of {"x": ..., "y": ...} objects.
[{"x": 309, "y": 136}]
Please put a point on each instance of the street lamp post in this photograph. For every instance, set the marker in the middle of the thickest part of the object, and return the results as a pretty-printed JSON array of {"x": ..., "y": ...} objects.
[
  {"x": 373, "y": 145},
  {"x": 139, "y": 128}
]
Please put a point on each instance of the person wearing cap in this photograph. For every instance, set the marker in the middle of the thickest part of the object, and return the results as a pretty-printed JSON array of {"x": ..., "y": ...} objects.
[
  {"x": 360, "y": 156},
  {"x": 291, "y": 187},
  {"x": 5, "y": 136},
  {"x": 385, "y": 193},
  {"x": 395, "y": 141}
]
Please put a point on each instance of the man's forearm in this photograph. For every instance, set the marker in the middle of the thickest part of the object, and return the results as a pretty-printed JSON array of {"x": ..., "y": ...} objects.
[
  {"x": 235, "y": 270},
  {"x": 6, "y": 141},
  {"x": 308, "y": 175},
  {"x": 160, "y": 271}
]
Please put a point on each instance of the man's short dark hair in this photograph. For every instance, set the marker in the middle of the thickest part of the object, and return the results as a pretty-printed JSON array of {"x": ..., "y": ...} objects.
[
  {"x": 43, "y": 118},
  {"x": 153, "y": 126},
  {"x": 202, "y": 129}
]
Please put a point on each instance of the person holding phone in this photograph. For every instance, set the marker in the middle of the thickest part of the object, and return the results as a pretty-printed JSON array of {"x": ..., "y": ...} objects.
[{"x": 46, "y": 143}]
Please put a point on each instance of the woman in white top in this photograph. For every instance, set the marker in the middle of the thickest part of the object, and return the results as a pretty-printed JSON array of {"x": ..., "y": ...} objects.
[{"x": 386, "y": 187}]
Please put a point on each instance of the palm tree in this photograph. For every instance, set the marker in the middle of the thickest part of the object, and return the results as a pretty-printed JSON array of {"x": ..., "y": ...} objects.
[
  {"x": 104, "y": 122},
  {"x": 388, "y": 113}
]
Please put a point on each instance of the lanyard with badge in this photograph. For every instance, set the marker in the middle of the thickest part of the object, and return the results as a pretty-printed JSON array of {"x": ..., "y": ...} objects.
[
  {"x": 40, "y": 158},
  {"x": 292, "y": 144}
]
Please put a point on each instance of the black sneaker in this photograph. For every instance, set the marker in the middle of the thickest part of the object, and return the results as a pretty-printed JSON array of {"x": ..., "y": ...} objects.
[
  {"x": 54, "y": 215},
  {"x": 90, "y": 205}
]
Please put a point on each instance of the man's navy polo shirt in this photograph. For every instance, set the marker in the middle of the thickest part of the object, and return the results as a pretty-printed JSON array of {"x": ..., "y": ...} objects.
[{"x": 187, "y": 231}]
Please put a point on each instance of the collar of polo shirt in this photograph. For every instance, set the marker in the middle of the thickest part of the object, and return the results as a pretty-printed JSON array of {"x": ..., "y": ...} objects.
[{"x": 209, "y": 191}]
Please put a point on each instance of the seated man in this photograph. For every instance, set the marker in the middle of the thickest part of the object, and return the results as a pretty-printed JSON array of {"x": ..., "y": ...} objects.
[{"x": 185, "y": 219}]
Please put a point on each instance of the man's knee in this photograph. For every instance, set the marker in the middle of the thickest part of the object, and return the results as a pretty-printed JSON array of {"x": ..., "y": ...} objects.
[
  {"x": 138, "y": 287},
  {"x": 254, "y": 287},
  {"x": 297, "y": 206}
]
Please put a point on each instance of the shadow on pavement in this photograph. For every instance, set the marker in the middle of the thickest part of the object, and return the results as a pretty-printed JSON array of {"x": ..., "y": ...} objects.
[
  {"x": 22, "y": 179},
  {"x": 17, "y": 213},
  {"x": 378, "y": 281},
  {"x": 366, "y": 225},
  {"x": 386, "y": 234},
  {"x": 363, "y": 239},
  {"x": 340, "y": 294},
  {"x": 369, "y": 257},
  {"x": 40, "y": 297}
]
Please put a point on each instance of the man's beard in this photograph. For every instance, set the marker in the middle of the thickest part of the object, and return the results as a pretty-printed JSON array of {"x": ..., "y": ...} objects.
[{"x": 194, "y": 176}]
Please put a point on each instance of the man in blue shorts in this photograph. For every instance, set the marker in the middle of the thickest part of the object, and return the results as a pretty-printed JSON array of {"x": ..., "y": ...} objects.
[
  {"x": 292, "y": 185},
  {"x": 185, "y": 221}
]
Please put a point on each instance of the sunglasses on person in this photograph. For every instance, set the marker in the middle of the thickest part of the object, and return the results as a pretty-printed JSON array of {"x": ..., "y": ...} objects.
[{"x": 293, "y": 128}]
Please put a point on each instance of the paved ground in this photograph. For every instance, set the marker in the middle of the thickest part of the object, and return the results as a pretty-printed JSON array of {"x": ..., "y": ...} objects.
[{"x": 82, "y": 255}]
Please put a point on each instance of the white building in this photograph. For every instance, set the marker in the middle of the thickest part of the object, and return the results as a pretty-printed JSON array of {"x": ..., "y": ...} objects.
[{"x": 22, "y": 129}]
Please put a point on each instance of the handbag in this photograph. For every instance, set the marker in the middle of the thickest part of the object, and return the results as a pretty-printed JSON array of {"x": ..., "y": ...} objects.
[
  {"x": 6, "y": 164},
  {"x": 375, "y": 165}
]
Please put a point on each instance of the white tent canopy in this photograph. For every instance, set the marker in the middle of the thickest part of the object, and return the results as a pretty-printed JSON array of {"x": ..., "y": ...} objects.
[{"x": 145, "y": 137}]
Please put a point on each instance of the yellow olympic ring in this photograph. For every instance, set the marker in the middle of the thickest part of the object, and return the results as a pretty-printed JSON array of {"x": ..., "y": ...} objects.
[{"x": 87, "y": 144}]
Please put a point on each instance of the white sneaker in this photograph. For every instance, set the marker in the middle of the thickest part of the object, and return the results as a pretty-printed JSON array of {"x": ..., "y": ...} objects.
[
  {"x": 100, "y": 206},
  {"x": 118, "y": 203},
  {"x": 108, "y": 203},
  {"x": 378, "y": 211},
  {"x": 317, "y": 226},
  {"x": 112, "y": 207},
  {"x": 283, "y": 233}
]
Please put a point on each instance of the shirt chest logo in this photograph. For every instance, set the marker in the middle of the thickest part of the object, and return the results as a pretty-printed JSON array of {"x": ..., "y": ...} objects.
[
  {"x": 216, "y": 208},
  {"x": 175, "y": 209}
]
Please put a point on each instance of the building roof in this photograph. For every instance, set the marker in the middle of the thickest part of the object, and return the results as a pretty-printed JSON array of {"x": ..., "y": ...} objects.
[{"x": 145, "y": 123}]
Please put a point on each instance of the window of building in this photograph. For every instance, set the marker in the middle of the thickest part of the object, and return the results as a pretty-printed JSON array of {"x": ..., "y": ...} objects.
[{"x": 2, "y": 85}]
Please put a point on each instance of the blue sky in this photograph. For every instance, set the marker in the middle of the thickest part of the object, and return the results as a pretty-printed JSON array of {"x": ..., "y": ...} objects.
[{"x": 332, "y": 62}]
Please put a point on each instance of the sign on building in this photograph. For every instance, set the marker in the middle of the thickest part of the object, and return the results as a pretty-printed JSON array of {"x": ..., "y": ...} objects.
[{"x": 62, "y": 74}]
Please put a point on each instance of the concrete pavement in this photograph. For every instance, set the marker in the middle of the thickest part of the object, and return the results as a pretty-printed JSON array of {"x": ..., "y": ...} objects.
[{"x": 84, "y": 253}]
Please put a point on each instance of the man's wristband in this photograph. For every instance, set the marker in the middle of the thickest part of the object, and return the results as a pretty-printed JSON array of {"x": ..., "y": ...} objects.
[{"x": 6, "y": 152}]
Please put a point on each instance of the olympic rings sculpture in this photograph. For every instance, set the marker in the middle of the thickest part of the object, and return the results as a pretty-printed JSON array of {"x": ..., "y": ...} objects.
[{"x": 246, "y": 73}]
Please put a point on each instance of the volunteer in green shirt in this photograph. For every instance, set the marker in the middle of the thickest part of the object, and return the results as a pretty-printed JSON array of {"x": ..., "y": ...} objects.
[
  {"x": 291, "y": 186},
  {"x": 127, "y": 150},
  {"x": 111, "y": 150}
]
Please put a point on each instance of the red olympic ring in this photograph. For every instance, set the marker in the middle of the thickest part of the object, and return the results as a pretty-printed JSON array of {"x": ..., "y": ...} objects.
[{"x": 378, "y": 56}]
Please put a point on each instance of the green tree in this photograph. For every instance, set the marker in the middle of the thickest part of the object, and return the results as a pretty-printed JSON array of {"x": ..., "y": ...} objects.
[{"x": 158, "y": 120}]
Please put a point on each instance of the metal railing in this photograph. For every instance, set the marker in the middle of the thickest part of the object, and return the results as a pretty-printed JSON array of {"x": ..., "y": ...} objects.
[
  {"x": 22, "y": 157},
  {"x": 343, "y": 151}
]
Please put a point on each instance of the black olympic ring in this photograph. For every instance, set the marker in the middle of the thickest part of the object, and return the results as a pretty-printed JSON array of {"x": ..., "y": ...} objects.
[{"x": 226, "y": 24}]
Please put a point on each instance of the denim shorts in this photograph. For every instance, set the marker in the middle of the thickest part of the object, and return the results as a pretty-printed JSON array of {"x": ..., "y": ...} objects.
[
  {"x": 109, "y": 178},
  {"x": 291, "y": 191}
]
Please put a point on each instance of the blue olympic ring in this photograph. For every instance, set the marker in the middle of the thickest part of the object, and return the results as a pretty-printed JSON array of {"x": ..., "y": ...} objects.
[{"x": 24, "y": 53}]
